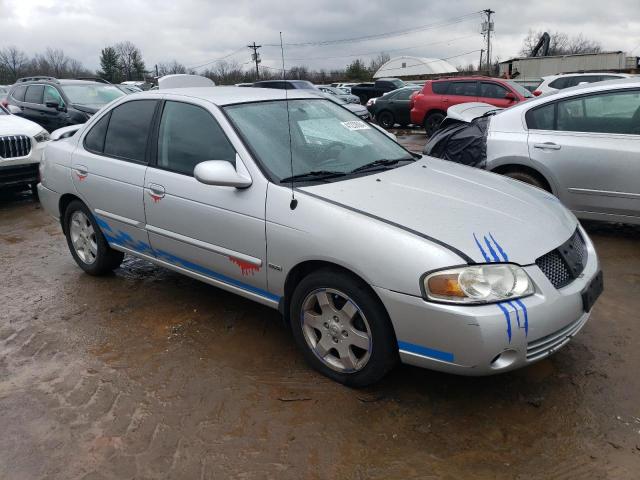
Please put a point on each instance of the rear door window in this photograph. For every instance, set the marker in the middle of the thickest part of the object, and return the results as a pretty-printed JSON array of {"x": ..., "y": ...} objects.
[
  {"x": 465, "y": 89},
  {"x": 129, "y": 129},
  {"x": 188, "y": 136},
  {"x": 541, "y": 118},
  {"x": 34, "y": 94},
  {"x": 612, "y": 112}
]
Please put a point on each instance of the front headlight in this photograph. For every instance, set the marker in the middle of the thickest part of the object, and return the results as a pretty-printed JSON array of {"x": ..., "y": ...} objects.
[
  {"x": 486, "y": 283},
  {"x": 42, "y": 136}
]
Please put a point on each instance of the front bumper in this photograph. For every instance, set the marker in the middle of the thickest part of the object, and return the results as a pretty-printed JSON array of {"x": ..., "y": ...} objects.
[
  {"x": 488, "y": 339},
  {"x": 21, "y": 171}
]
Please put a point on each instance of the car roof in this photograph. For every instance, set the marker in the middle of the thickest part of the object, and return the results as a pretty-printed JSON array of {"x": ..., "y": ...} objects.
[
  {"x": 588, "y": 74},
  {"x": 222, "y": 96}
]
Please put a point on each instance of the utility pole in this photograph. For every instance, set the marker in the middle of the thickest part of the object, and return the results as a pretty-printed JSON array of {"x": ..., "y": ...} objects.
[
  {"x": 255, "y": 56},
  {"x": 487, "y": 28},
  {"x": 480, "y": 63},
  {"x": 157, "y": 70}
]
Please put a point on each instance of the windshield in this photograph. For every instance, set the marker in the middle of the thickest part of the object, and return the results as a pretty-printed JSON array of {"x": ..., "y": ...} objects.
[
  {"x": 303, "y": 84},
  {"x": 520, "y": 89},
  {"x": 324, "y": 137},
  {"x": 92, "y": 94}
]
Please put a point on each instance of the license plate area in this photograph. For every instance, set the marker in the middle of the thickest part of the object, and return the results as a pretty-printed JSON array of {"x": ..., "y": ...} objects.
[{"x": 591, "y": 293}]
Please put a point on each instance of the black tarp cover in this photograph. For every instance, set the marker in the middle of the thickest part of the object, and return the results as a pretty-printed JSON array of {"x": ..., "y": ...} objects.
[{"x": 461, "y": 142}]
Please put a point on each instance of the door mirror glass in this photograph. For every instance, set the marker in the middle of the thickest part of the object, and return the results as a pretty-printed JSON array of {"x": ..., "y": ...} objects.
[
  {"x": 55, "y": 105},
  {"x": 221, "y": 173},
  {"x": 509, "y": 96}
]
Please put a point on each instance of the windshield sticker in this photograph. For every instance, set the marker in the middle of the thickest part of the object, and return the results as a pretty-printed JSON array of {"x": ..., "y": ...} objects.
[{"x": 355, "y": 125}]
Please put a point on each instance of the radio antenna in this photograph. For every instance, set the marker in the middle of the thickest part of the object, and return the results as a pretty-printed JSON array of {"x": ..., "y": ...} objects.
[{"x": 294, "y": 202}]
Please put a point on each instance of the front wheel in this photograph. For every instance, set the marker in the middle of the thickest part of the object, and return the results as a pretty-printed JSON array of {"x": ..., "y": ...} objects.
[
  {"x": 527, "y": 178},
  {"x": 86, "y": 242},
  {"x": 386, "y": 120},
  {"x": 342, "y": 328}
]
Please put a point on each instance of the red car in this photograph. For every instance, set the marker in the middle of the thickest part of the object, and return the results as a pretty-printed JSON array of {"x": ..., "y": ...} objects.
[{"x": 429, "y": 106}]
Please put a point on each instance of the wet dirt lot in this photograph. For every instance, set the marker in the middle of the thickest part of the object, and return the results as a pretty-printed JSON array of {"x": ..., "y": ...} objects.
[{"x": 149, "y": 374}]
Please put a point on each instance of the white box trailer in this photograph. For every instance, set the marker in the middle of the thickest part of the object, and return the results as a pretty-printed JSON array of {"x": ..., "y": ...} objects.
[{"x": 534, "y": 68}]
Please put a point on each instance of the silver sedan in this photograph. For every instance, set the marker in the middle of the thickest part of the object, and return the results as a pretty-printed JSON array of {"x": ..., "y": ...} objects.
[
  {"x": 372, "y": 254},
  {"x": 582, "y": 144}
]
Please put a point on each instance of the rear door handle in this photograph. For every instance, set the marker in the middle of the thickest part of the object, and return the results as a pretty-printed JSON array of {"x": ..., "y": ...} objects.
[
  {"x": 547, "y": 146},
  {"x": 81, "y": 172},
  {"x": 156, "y": 191}
]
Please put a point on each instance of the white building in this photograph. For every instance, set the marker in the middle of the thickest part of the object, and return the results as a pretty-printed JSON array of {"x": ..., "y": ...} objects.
[{"x": 405, "y": 66}]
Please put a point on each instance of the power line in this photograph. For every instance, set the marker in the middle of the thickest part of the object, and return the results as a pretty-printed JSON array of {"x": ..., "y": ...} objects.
[
  {"x": 394, "y": 33},
  {"x": 217, "y": 59},
  {"x": 384, "y": 50}
]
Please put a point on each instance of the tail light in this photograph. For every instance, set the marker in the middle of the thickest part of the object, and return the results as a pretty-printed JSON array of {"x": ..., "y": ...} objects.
[{"x": 537, "y": 93}]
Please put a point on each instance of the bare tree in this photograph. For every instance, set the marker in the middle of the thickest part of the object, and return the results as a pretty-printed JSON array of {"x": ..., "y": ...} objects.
[
  {"x": 171, "y": 68},
  {"x": 560, "y": 44},
  {"x": 57, "y": 61},
  {"x": 13, "y": 61},
  {"x": 377, "y": 62},
  {"x": 130, "y": 59}
]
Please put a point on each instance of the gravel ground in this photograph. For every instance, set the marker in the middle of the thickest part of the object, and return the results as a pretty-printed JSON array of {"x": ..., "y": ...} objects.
[{"x": 149, "y": 374}]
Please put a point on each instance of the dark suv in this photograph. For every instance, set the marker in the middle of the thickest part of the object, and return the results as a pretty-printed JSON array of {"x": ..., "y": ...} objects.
[{"x": 56, "y": 103}]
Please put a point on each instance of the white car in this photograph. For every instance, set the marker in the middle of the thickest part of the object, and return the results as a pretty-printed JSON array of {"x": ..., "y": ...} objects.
[
  {"x": 553, "y": 83},
  {"x": 21, "y": 145}
]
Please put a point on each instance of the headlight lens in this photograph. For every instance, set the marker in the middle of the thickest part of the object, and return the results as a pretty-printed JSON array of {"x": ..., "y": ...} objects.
[
  {"x": 42, "y": 136},
  {"x": 476, "y": 284}
]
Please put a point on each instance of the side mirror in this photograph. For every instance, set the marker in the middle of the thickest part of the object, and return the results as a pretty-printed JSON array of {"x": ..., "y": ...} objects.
[
  {"x": 14, "y": 110},
  {"x": 222, "y": 173},
  {"x": 55, "y": 105},
  {"x": 510, "y": 96}
]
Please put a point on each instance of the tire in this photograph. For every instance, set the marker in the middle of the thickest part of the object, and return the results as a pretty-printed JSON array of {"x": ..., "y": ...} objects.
[
  {"x": 350, "y": 338},
  {"x": 432, "y": 122},
  {"x": 34, "y": 191},
  {"x": 386, "y": 119},
  {"x": 527, "y": 178},
  {"x": 90, "y": 250}
]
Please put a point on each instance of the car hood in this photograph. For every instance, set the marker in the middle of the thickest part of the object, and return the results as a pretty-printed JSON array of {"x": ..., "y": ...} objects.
[
  {"x": 90, "y": 109},
  {"x": 484, "y": 216},
  {"x": 15, "y": 125},
  {"x": 466, "y": 112}
]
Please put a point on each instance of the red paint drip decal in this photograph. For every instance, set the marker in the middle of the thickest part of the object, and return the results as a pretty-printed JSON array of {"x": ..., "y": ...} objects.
[
  {"x": 245, "y": 267},
  {"x": 81, "y": 176},
  {"x": 155, "y": 198}
]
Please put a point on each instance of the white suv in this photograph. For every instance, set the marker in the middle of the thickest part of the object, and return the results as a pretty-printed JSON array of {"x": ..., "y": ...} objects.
[
  {"x": 553, "y": 83},
  {"x": 21, "y": 146}
]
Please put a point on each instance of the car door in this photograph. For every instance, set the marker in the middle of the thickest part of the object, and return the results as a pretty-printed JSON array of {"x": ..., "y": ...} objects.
[
  {"x": 108, "y": 170},
  {"x": 54, "y": 117},
  {"x": 399, "y": 104},
  {"x": 214, "y": 231},
  {"x": 495, "y": 94},
  {"x": 460, "y": 92},
  {"x": 591, "y": 145},
  {"x": 32, "y": 106}
]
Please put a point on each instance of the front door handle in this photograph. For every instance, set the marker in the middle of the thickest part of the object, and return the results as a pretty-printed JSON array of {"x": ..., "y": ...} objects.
[{"x": 547, "y": 146}]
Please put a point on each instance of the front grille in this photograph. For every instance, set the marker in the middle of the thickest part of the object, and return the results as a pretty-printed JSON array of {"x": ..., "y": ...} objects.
[
  {"x": 564, "y": 264},
  {"x": 548, "y": 344},
  {"x": 13, "y": 146},
  {"x": 18, "y": 175}
]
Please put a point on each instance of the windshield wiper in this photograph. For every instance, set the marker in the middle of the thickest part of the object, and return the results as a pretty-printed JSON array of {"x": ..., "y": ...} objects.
[
  {"x": 380, "y": 163},
  {"x": 314, "y": 175}
]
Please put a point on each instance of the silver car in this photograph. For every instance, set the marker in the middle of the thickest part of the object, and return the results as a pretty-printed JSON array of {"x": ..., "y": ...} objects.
[
  {"x": 372, "y": 254},
  {"x": 582, "y": 144}
]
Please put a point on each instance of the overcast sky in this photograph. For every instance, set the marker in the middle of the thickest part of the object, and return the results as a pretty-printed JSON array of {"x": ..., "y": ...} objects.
[{"x": 195, "y": 32}]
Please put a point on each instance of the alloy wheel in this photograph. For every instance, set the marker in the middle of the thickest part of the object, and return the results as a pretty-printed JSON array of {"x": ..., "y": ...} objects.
[{"x": 83, "y": 237}]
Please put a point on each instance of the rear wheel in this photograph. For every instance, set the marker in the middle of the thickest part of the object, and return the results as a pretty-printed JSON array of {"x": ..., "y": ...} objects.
[
  {"x": 432, "y": 122},
  {"x": 342, "y": 328},
  {"x": 86, "y": 242},
  {"x": 386, "y": 120},
  {"x": 527, "y": 178}
]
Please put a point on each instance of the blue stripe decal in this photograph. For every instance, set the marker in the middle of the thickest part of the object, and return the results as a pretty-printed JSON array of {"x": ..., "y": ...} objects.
[
  {"x": 425, "y": 352},
  {"x": 502, "y": 252},
  {"x": 515, "y": 310},
  {"x": 125, "y": 240},
  {"x": 526, "y": 316},
  {"x": 484, "y": 254},
  {"x": 493, "y": 252},
  {"x": 506, "y": 315}
]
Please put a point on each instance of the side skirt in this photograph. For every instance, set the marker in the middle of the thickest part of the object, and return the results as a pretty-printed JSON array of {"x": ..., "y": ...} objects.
[{"x": 203, "y": 278}]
